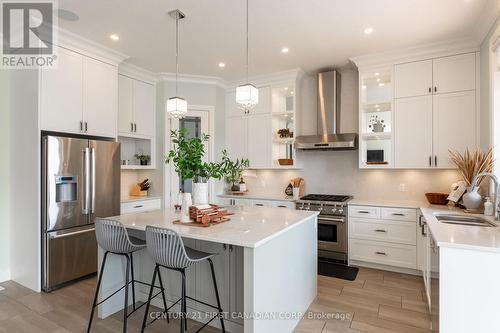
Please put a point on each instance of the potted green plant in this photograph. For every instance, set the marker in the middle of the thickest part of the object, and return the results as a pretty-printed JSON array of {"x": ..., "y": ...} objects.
[
  {"x": 143, "y": 159},
  {"x": 232, "y": 169},
  {"x": 187, "y": 157}
]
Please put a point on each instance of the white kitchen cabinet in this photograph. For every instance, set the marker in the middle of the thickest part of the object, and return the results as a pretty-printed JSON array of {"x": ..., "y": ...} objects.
[
  {"x": 283, "y": 204},
  {"x": 144, "y": 108},
  {"x": 413, "y": 79},
  {"x": 261, "y": 203},
  {"x": 80, "y": 96},
  {"x": 259, "y": 141},
  {"x": 125, "y": 104},
  {"x": 136, "y": 114},
  {"x": 140, "y": 206},
  {"x": 454, "y": 73},
  {"x": 61, "y": 94},
  {"x": 100, "y": 96},
  {"x": 236, "y": 137},
  {"x": 454, "y": 125},
  {"x": 413, "y": 132}
]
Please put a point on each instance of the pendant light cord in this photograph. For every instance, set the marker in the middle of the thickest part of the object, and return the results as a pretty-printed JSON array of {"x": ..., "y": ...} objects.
[
  {"x": 176, "y": 53},
  {"x": 247, "y": 43}
]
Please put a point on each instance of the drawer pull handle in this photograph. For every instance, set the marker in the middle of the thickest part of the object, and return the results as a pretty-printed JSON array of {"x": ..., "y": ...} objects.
[
  {"x": 398, "y": 214},
  {"x": 380, "y": 230},
  {"x": 138, "y": 206},
  {"x": 381, "y": 253},
  {"x": 281, "y": 206},
  {"x": 363, "y": 212},
  {"x": 259, "y": 204}
]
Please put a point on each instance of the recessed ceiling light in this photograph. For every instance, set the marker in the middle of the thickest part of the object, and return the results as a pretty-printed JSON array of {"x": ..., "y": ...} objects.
[
  {"x": 363, "y": 86},
  {"x": 378, "y": 80},
  {"x": 286, "y": 88},
  {"x": 368, "y": 30},
  {"x": 285, "y": 50},
  {"x": 291, "y": 92},
  {"x": 377, "y": 74},
  {"x": 222, "y": 65},
  {"x": 114, "y": 37},
  {"x": 381, "y": 84}
]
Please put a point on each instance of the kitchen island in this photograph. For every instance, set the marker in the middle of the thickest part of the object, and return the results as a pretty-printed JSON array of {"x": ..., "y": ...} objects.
[{"x": 266, "y": 268}]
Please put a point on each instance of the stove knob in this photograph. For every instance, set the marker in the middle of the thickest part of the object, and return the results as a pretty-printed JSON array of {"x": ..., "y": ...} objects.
[
  {"x": 341, "y": 211},
  {"x": 334, "y": 210}
]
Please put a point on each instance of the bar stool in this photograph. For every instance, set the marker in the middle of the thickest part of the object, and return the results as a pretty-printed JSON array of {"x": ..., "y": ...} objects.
[
  {"x": 167, "y": 250},
  {"x": 113, "y": 238}
]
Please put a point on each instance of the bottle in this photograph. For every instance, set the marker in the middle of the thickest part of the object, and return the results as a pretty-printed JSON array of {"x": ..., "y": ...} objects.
[
  {"x": 243, "y": 186},
  {"x": 488, "y": 207}
]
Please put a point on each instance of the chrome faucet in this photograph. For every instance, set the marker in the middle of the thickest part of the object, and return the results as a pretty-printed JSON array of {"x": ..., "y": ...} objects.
[{"x": 495, "y": 181}]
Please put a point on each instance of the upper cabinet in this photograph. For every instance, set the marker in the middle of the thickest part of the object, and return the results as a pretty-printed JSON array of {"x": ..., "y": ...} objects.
[
  {"x": 80, "y": 96},
  {"x": 136, "y": 111},
  {"x": 435, "y": 110}
]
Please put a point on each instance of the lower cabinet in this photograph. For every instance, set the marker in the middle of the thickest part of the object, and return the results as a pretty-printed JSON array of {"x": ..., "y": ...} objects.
[
  {"x": 254, "y": 202},
  {"x": 383, "y": 235},
  {"x": 140, "y": 206}
]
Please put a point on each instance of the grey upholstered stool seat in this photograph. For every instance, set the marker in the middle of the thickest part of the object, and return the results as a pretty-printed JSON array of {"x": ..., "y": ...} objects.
[
  {"x": 167, "y": 250},
  {"x": 113, "y": 238}
]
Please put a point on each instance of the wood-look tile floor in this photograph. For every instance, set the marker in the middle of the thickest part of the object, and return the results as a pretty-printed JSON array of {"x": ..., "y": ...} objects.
[{"x": 376, "y": 302}]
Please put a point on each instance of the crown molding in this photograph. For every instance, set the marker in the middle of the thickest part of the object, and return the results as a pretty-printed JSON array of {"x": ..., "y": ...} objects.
[
  {"x": 487, "y": 19},
  {"x": 415, "y": 53},
  {"x": 190, "y": 78},
  {"x": 269, "y": 79},
  {"x": 79, "y": 44},
  {"x": 138, "y": 73}
]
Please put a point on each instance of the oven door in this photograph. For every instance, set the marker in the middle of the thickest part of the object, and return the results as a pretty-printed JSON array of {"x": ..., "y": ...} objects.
[{"x": 332, "y": 234}]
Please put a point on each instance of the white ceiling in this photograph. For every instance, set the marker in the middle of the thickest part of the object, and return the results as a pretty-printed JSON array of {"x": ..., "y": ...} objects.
[{"x": 319, "y": 33}]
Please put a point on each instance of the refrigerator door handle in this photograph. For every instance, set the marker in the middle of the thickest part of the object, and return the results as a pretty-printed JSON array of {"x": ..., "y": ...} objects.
[
  {"x": 92, "y": 154},
  {"x": 86, "y": 169},
  {"x": 74, "y": 233}
]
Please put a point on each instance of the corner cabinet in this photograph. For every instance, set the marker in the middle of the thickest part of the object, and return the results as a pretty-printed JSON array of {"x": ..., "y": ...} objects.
[
  {"x": 433, "y": 110},
  {"x": 265, "y": 135},
  {"x": 79, "y": 96}
]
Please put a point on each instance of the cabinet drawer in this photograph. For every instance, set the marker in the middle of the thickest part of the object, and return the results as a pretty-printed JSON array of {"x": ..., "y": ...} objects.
[
  {"x": 383, "y": 253},
  {"x": 399, "y": 214},
  {"x": 261, "y": 203},
  {"x": 386, "y": 231},
  {"x": 140, "y": 206},
  {"x": 283, "y": 204},
  {"x": 368, "y": 212}
]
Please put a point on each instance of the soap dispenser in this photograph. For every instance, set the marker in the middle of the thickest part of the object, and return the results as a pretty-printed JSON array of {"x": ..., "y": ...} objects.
[{"x": 488, "y": 207}]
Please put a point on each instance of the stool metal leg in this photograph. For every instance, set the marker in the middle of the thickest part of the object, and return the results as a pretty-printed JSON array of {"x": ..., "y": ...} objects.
[
  {"x": 133, "y": 278},
  {"x": 183, "y": 303},
  {"x": 149, "y": 298},
  {"x": 163, "y": 295},
  {"x": 99, "y": 279},
  {"x": 217, "y": 295},
  {"x": 127, "y": 273}
]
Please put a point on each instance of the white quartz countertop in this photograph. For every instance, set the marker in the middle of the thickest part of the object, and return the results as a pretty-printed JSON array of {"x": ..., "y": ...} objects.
[
  {"x": 248, "y": 227},
  {"x": 133, "y": 199},
  {"x": 253, "y": 196},
  {"x": 461, "y": 236},
  {"x": 389, "y": 203}
]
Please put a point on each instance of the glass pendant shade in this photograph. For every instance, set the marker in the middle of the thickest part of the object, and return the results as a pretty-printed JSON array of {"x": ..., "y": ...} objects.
[
  {"x": 176, "y": 107},
  {"x": 247, "y": 96}
]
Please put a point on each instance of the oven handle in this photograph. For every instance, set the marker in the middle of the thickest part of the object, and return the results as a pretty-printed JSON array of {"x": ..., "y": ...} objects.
[{"x": 330, "y": 219}]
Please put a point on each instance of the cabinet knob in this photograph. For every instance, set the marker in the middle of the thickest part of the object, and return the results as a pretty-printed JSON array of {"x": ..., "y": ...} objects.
[
  {"x": 435, "y": 89},
  {"x": 131, "y": 127},
  {"x": 430, "y": 160},
  {"x": 435, "y": 160},
  {"x": 86, "y": 127},
  {"x": 430, "y": 89},
  {"x": 81, "y": 126},
  {"x": 381, "y": 253}
]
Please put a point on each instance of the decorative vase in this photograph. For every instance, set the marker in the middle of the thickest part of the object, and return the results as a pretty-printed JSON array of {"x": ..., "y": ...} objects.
[
  {"x": 186, "y": 203},
  {"x": 142, "y": 162},
  {"x": 200, "y": 193},
  {"x": 472, "y": 199}
]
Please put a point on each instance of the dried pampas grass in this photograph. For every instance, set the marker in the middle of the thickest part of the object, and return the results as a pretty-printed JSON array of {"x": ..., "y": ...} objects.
[{"x": 471, "y": 164}]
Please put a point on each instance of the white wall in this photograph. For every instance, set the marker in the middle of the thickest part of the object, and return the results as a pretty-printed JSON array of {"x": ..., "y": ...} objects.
[
  {"x": 5, "y": 176},
  {"x": 337, "y": 171}
]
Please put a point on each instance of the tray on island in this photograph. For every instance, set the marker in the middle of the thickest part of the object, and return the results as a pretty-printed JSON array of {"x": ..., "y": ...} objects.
[{"x": 205, "y": 216}]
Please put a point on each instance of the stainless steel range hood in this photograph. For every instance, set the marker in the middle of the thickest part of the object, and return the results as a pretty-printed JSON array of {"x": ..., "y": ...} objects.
[{"x": 329, "y": 135}]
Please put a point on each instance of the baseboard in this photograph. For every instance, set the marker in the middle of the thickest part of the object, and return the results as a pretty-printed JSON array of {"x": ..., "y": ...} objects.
[
  {"x": 5, "y": 275},
  {"x": 385, "y": 267}
]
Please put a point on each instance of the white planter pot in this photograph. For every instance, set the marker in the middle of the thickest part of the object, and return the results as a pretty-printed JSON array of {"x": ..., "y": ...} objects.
[{"x": 200, "y": 193}]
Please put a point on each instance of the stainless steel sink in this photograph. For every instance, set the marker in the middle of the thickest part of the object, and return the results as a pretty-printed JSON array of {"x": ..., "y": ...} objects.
[{"x": 464, "y": 220}]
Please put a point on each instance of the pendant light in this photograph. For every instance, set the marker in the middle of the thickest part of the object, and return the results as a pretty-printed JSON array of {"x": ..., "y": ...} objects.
[
  {"x": 247, "y": 95},
  {"x": 176, "y": 106}
]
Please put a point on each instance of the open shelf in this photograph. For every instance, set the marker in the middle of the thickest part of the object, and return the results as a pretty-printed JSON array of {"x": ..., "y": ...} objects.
[
  {"x": 133, "y": 145},
  {"x": 377, "y": 136}
]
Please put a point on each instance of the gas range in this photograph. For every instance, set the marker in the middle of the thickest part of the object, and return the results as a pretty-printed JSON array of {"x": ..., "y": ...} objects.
[
  {"x": 326, "y": 204},
  {"x": 332, "y": 223}
]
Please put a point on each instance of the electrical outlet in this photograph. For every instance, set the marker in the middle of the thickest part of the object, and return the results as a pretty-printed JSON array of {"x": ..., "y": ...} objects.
[{"x": 402, "y": 187}]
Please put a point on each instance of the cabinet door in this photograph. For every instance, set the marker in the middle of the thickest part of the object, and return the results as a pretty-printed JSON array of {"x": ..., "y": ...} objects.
[
  {"x": 232, "y": 108},
  {"x": 261, "y": 203},
  {"x": 455, "y": 73},
  {"x": 144, "y": 108},
  {"x": 100, "y": 97},
  {"x": 125, "y": 104},
  {"x": 454, "y": 125},
  {"x": 61, "y": 94},
  {"x": 413, "y": 132},
  {"x": 236, "y": 283},
  {"x": 265, "y": 101},
  {"x": 413, "y": 79},
  {"x": 259, "y": 138},
  {"x": 236, "y": 140}
]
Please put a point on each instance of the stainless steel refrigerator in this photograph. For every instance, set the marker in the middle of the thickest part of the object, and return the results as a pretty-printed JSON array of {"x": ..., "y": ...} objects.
[{"x": 80, "y": 181}]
